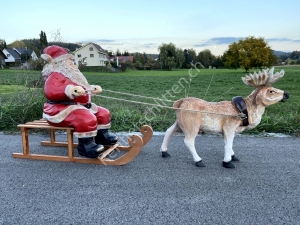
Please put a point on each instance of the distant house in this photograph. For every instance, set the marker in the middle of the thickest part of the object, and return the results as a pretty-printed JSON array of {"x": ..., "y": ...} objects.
[
  {"x": 25, "y": 51},
  {"x": 2, "y": 59},
  {"x": 123, "y": 59},
  {"x": 12, "y": 56},
  {"x": 18, "y": 55},
  {"x": 91, "y": 54}
]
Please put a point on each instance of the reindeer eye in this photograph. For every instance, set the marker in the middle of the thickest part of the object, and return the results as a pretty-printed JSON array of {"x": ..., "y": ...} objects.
[{"x": 272, "y": 91}]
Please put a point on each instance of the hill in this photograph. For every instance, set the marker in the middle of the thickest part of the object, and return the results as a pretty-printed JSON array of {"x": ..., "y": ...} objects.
[{"x": 278, "y": 53}]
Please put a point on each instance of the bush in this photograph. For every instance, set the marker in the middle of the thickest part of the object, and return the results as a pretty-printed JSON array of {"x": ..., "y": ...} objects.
[
  {"x": 23, "y": 106},
  {"x": 95, "y": 69},
  {"x": 37, "y": 64},
  {"x": 144, "y": 68},
  {"x": 123, "y": 66}
]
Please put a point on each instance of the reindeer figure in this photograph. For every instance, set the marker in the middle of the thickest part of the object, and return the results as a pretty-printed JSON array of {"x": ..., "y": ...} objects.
[{"x": 194, "y": 115}]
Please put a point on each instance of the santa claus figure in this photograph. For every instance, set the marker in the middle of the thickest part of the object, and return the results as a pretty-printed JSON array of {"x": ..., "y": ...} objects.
[{"x": 69, "y": 103}]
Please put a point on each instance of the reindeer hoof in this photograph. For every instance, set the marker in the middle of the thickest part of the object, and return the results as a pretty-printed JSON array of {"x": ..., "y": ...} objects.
[
  {"x": 165, "y": 155},
  {"x": 228, "y": 165},
  {"x": 200, "y": 164},
  {"x": 235, "y": 159}
]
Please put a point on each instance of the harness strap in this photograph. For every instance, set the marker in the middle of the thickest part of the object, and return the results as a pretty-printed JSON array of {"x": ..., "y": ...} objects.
[
  {"x": 241, "y": 106},
  {"x": 87, "y": 105}
]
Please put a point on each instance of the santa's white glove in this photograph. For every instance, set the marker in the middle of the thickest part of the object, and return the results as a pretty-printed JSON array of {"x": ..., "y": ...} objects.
[
  {"x": 74, "y": 91},
  {"x": 96, "y": 89}
]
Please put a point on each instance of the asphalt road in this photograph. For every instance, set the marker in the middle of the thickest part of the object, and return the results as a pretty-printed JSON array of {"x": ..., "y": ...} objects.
[{"x": 264, "y": 187}]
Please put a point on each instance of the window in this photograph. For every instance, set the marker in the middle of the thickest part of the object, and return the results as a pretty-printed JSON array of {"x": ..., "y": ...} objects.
[
  {"x": 79, "y": 55},
  {"x": 8, "y": 55},
  {"x": 91, "y": 48},
  {"x": 91, "y": 55}
]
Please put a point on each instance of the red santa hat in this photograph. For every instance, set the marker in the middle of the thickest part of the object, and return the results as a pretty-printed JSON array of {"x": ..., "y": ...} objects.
[{"x": 55, "y": 53}]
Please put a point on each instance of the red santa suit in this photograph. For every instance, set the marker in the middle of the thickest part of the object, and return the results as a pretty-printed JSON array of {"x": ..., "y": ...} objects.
[{"x": 64, "y": 107}]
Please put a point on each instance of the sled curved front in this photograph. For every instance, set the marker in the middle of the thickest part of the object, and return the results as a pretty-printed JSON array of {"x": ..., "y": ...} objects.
[
  {"x": 134, "y": 148},
  {"x": 147, "y": 133}
]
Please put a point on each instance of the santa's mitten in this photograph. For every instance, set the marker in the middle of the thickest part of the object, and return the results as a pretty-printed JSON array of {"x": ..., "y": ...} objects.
[
  {"x": 74, "y": 91},
  {"x": 96, "y": 89}
]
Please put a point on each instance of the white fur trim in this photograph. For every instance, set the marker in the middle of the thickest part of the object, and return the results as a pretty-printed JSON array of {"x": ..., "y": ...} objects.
[
  {"x": 58, "y": 118},
  {"x": 47, "y": 58},
  {"x": 69, "y": 91},
  {"x": 64, "y": 57},
  {"x": 86, "y": 134},
  {"x": 103, "y": 126}
]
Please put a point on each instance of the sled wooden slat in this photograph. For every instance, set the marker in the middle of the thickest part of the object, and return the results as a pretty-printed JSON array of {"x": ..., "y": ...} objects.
[
  {"x": 109, "y": 150},
  {"x": 135, "y": 145}
]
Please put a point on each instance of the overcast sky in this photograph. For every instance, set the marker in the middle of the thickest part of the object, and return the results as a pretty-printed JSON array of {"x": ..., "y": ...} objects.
[{"x": 142, "y": 26}]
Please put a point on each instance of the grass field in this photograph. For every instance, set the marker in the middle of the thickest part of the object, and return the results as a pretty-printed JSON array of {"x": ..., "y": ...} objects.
[{"x": 210, "y": 85}]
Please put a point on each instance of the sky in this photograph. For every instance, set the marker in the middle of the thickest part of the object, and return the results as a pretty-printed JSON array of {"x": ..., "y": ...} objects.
[{"x": 142, "y": 26}]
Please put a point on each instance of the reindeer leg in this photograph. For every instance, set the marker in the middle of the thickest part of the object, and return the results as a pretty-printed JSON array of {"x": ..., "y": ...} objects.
[
  {"x": 169, "y": 133},
  {"x": 189, "y": 141},
  {"x": 228, "y": 152}
]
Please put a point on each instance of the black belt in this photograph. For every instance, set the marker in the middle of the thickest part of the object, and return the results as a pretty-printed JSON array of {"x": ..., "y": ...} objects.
[{"x": 87, "y": 105}]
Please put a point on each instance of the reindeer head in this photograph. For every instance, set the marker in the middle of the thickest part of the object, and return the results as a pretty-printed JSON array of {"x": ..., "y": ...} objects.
[{"x": 262, "y": 81}]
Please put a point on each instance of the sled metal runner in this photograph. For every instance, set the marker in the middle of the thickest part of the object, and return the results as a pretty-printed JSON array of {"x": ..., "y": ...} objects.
[{"x": 136, "y": 142}]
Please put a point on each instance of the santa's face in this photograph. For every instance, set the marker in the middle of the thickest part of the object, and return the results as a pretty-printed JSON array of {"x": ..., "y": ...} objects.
[{"x": 71, "y": 64}]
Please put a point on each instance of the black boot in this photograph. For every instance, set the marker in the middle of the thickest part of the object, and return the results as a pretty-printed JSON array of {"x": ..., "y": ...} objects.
[
  {"x": 105, "y": 138},
  {"x": 88, "y": 148}
]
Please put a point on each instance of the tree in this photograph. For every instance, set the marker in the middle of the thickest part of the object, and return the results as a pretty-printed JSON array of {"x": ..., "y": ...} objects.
[
  {"x": 189, "y": 57},
  {"x": 43, "y": 40},
  {"x": 218, "y": 63},
  {"x": 295, "y": 55},
  {"x": 170, "y": 57},
  {"x": 2, "y": 44},
  {"x": 206, "y": 58},
  {"x": 17, "y": 44},
  {"x": 179, "y": 57},
  {"x": 251, "y": 53},
  {"x": 126, "y": 53},
  {"x": 118, "y": 53}
]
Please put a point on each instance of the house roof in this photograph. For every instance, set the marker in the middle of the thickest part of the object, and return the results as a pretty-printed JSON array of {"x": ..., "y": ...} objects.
[
  {"x": 23, "y": 51},
  {"x": 98, "y": 47},
  {"x": 13, "y": 53},
  {"x": 1, "y": 53}
]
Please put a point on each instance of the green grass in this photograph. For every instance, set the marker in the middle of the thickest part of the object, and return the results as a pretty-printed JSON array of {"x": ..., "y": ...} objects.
[{"x": 210, "y": 85}]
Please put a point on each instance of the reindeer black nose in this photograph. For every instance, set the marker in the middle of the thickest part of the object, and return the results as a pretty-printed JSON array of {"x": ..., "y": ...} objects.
[{"x": 286, "y": 95}]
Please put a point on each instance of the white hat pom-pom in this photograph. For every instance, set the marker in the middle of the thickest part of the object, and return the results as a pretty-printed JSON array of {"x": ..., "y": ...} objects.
[{"x": 47, "y": 58}]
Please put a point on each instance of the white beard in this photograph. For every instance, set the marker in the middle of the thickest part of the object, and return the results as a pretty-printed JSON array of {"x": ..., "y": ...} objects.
[{"x": 73, "y": 74}]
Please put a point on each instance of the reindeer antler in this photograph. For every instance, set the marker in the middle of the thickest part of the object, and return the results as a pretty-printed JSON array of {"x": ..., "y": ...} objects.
[{"x": 263, "y": 78}]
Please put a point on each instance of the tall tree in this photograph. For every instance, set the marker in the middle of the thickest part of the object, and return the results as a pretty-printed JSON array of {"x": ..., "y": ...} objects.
[
  {"x": 169, "y": 56},
  {"x": 251, "y": 53},
  {"x": 206, "y": 58},
  {"x": 179, "y": 58},
  {"x": 189, "y": 57},
  {"x": 118, "y": 53},
  {"x": 2, "y": 44},
  {"x": 43, "y": 40}
]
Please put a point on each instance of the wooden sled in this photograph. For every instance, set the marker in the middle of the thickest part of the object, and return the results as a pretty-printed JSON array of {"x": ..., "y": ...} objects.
[{"x": 129, "y": 152}]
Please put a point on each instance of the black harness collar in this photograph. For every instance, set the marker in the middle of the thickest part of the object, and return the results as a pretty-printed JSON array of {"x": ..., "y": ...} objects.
[{"x": 240, "y": 104}]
